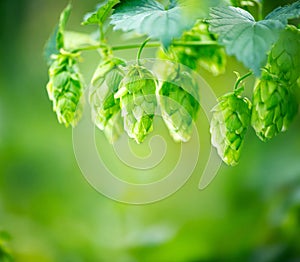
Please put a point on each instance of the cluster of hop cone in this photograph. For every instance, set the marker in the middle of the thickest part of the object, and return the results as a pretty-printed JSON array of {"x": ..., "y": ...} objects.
[
  {"x": 126, "y": 98},
  {"x": 274, "y": 102}
]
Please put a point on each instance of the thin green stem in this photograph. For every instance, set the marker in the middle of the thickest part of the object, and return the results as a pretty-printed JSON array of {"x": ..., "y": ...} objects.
[
  {"x": 149, "y": 45},
  {"x": 240, "y": 79},
  {"x": 138, "y": 57},
  {"x": 134, "y": 46},
  {"x": 101, "y": 32},
  {"x": 89, "y": 48},
  {"x": 259, "y": 10}
]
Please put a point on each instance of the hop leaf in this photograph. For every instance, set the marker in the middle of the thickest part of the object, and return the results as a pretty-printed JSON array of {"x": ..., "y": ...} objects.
[
  {"x": 229, "y": 124},
  {"x": 155, "y": 20},
  {"x": 101, "y": 13},
  {"x": 65, "y": 88},
  {"x": 138, "y": 102},
  {"x": 105, "y": 108},
  {"x": 274, "y": 107},
  {"x": 211, "y": 58},
  {"x": 284, "y": 58},
  {"x": 179, "y": 105},
  {"x": 243, "y": 37}
]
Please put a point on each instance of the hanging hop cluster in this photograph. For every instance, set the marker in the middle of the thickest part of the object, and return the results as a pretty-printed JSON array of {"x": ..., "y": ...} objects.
[
  {"x": 229, "y": 124},
  {"x": 65, "y": 88},
  {"x": 212, "y": 58},
  {"x": 106, "y": 110},
  {"x": 274, "y": 100},
  {"x": 179, "y": 101}
]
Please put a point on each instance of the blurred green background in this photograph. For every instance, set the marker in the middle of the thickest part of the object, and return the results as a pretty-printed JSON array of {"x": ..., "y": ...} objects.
[{"x": 48, "y": 212}]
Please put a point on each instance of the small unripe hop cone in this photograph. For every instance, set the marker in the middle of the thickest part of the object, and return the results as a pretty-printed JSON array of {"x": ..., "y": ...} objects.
[
  {"x": 274, "y": 101},
  {"x": 229, "y": 124},
  {"x": 179, "y": 105},
  {"x": 284, "y": 58},
  {"x": 106, "y": 110},
  {"x": 65, "y": 88},
  {"x": 138, "y": 102},
  {"x": 274, "y": 107}
]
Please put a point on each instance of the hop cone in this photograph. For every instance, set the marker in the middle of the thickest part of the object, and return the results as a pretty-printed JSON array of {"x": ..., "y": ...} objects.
[
  {"x": 179, "y": 105},
  {"x": 211, "y": 58},
  {"x": 65, "y": 88},
  {"x": 284, "y": 58},
  {"x": 231, "y": 118},
  {"x": 105, "y": 108},
  {"x": 274, "y": 106},
  {"x": 138, "y": 102}
]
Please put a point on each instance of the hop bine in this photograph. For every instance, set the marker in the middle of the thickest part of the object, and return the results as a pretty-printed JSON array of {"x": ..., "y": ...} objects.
[
  {"x": 65, "y": 88},
  {"x": 229, "y": 124},
  {"x": 106, "y": 110},
  {"x": 274, "y": 107},
  {"x": 179, "y": 104},
  {"x": 138, "y": 102}
]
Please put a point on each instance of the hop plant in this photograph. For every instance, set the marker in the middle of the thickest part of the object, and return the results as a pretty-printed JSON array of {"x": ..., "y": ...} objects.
[
  {"x": 65, "y": 88},
  {"x": 105, "y": 107},
  {"x": 274, "y": 107},
  {"x": 211, "y": 58},
  {"x": 179, "y": 105},
  {"x": 284, "y": 58},
  {"x": 229, "y": 124},
  {"x": 138, "y": 102}
]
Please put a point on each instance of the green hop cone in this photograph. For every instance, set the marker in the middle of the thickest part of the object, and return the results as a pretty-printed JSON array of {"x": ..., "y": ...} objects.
[
  {"x": 179, "y": 105},
  {"x": 229, "y": 124},
  {"x": 105, "y": 108},
  {"x": 274, "y": 107},
  {"x": 138, "y": 102},
  {"x": 210, "y": 57},
  {"x": 284, "y": 58},
  {"x": 65, "y": 88}
]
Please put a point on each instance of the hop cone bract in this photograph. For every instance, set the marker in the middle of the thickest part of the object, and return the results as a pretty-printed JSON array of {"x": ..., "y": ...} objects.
[
  {"x": 105, "y": 107},
  {"x": 274, "y": 106},
  {"x": 229, "y": 124},
  {"x": 284, "y": 58},
  {"x": 138, "y": 102},
  {"x": 179, "y": 105},
  {"x": 65, "y": 88}
]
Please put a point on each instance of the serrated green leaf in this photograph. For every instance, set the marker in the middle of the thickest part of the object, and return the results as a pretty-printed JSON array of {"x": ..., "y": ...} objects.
[
  {"x": 50, "y": 47},
  {"x": 61, "y": 26},
  {"x": 243, "y": 37},
  {"x": 285, "y": 13},
  {"x": 150, "y": 17},
  {"x": 101, "y": 13}
]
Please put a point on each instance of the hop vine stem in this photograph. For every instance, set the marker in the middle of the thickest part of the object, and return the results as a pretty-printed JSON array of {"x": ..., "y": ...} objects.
[
  {"x": 149, "y": 45},
  {"x": 140, "y": 50},
  {"x": 240, "y": 79}
]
